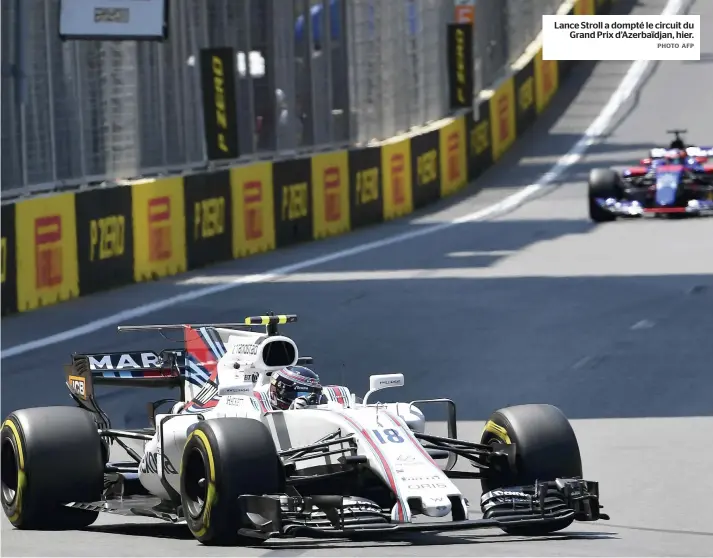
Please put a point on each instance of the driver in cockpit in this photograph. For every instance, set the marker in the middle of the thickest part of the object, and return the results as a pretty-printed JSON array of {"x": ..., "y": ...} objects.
[
  {"x": 676, "y": 157},
  {"x": 295, "y": 387}
]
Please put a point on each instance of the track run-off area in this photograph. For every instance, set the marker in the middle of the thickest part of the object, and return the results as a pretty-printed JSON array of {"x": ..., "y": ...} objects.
[{"x": 503, "y": 295}]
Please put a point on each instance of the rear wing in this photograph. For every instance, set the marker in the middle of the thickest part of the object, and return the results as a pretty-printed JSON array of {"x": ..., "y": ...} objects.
[
  {"x": 148, "y": 368},
  {"x": 270, "y": 321},
  {"x": 132, "y": 369},
  {"x": 138, "y": 368}
]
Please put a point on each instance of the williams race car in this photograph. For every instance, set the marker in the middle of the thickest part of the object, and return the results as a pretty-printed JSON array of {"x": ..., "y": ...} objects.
[
  {"x": 675, "y": 180},
  {"x": 233, "y": 468}
]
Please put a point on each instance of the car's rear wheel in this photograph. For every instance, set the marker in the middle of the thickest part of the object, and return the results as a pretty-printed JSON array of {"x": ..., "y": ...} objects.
[
  {"x": 546, "y": 449},
  {"x": 603, "y": 184},
  {"x": 51, "y": 456},
  {"x": 224, "y": 459}
]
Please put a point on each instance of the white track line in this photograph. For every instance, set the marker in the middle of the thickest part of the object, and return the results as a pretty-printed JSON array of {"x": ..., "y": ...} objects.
[{"x": 627, "y": 86}]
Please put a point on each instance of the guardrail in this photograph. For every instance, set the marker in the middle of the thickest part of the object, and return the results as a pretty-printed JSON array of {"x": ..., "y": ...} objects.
[{"x": 60, "y": 246}]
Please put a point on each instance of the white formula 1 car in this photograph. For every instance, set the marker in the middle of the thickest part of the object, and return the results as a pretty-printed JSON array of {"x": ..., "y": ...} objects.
[{"x": 232, "y": 468}]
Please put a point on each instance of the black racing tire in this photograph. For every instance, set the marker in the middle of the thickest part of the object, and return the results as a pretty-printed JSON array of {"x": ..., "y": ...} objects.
[
  {"x": 603, "y": 183},
  {"x": 235, "y": 457},
  {"x": 546, "y": 449},
  {"x": 50, "y": 456}
]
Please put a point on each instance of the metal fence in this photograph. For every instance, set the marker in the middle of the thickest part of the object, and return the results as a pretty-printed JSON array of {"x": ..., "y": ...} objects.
[
  {"x": 503, "y": 29},
  {"x": 311, "y": 74}
]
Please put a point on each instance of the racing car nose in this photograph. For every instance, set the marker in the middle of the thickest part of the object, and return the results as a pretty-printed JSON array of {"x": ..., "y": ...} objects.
[
  {"x": 665, "y": 195},
  {"x": 436, "y": 506}
]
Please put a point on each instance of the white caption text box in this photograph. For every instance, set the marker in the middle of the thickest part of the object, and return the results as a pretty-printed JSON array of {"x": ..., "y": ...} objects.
[{"x": 621, "y": 37}]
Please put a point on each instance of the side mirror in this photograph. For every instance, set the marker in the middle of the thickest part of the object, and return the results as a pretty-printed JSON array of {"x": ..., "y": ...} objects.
[{"x": 383, "y": 381}]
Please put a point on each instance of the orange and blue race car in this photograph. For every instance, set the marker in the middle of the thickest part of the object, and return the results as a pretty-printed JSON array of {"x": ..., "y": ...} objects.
[{"x": 674, "y": 180}]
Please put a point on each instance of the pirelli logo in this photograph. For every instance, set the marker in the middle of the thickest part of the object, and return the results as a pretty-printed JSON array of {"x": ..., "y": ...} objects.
[
  {"x": 460, "y": 66},
  {"x": 526, "y": 95},
  {"x": 252, "y": 202},
  {"x": 221, "y": 116},
  {"x": 548, "y": 77},
  {"x": 159, "y": 225},
  {"x": 48, "y": 251},
  {"x": 453, "y": 147},
  {"x": 4, "y": 259},
  {"x": 480, "y": 138},
  {"x": 398, "y": 182},
  {"x": 332, "y": 194},
  {"x": 503, "y": 118}
]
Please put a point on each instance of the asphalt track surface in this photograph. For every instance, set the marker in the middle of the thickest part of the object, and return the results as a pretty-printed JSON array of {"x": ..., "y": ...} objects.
[{"x": 612, "y": 323}]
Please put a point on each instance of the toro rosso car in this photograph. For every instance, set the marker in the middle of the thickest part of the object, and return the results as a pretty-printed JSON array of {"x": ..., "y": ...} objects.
[
  {"x": 233, "y": 469},
  {"x": 677, "y": 180}
]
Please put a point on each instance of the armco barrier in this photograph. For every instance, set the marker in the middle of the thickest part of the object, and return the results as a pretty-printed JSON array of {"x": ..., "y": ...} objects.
[
  {"x": 330, "y": 194},
  {"x": 294, "y": 214},
  {"x": 425, "y": 168},
  {"x": 366, "y": 195},
  {"x": 397, "y": 178},
  {"x": 252, "y": 213},
  {"x": 105, "y": 238},
  {"x": 46, "y": 263},
  {"x": 209, "y": 220},
  {"x": 453, "y": 148},
  {"x": 159, "y": 223},
  {"x": 62, "y": 246}
]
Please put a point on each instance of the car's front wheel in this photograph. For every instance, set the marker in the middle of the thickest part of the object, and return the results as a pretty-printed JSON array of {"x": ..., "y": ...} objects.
[
  {"x": 224, "y": 459},
  {"x": 603, "y": 184},
  {"x": 546, "y": 449}
]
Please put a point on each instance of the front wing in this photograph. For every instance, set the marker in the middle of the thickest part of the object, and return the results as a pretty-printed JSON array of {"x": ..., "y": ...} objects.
[
  {"x": 518, "y": 507},
  {"x": 629, "y": 208}
]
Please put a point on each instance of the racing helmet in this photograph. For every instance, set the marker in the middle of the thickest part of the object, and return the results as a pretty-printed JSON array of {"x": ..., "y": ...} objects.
[{"x": 292, "y": 382}]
